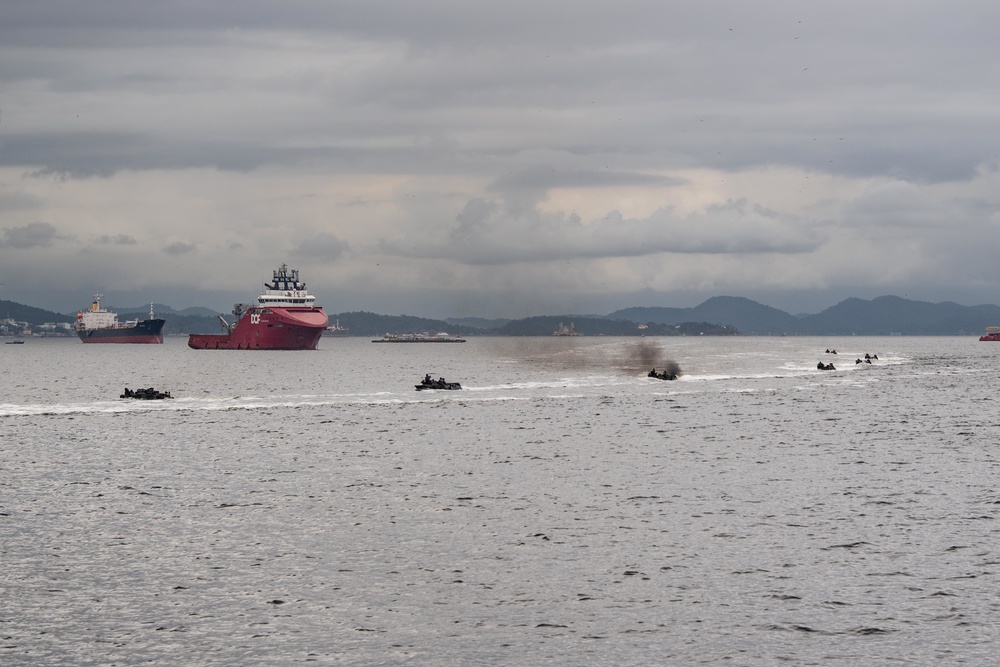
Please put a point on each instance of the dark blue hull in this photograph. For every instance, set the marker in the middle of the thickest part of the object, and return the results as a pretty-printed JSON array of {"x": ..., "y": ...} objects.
[{"x": 147, "y": 331}]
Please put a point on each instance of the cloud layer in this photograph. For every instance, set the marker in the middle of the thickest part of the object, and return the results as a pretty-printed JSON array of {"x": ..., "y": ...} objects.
[{"x": 448, "y": 158}]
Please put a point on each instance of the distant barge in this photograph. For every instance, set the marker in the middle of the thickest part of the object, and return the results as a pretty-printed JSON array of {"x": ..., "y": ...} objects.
[{"x": 418, "y": 338}]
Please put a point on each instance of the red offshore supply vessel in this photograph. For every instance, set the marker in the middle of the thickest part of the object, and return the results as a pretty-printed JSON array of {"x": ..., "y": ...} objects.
[
  {"x": 992, "y": 333},
  {"x": 285, "y": 317},
  {"x": 100, "y": 325}
]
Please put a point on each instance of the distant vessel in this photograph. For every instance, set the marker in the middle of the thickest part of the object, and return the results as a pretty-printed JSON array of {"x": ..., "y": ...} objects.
[
  {"x": 440, "y": 383},
  {"x": 418, "y": 338},
  {"x": 99, "y": 325},
  {"x": 337, "y": 331},
  {"x": 566, "y": 331},
  {"x": 992, "y": 333},
  {"x": 285, "y": 317}
]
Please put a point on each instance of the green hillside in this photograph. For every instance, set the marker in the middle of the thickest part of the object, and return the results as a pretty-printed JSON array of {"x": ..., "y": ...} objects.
[{"x": 30, "y": 314}]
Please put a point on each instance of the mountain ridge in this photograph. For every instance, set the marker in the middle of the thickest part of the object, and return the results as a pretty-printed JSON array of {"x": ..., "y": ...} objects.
[
  {"x": 881, "y": 316},
  {"x": 718, "y": 315}
]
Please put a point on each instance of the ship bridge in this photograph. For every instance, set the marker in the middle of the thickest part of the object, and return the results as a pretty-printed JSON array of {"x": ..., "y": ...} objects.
[{"x": 286, "y": 290}]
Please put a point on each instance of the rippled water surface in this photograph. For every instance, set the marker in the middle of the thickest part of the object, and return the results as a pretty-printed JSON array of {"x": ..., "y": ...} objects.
[{"x": 311, "y": 507}]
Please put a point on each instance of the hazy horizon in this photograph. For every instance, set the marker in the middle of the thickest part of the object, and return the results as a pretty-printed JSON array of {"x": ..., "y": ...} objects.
[{"x": 122, "y": 304}]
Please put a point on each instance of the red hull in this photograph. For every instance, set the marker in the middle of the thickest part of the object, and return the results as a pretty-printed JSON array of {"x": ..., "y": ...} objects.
[
  {"x": 993, "y": 337},
  {"x": 268, "y": 329}
]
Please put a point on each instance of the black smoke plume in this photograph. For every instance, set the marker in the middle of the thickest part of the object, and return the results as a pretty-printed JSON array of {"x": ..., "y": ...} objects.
[{"x": 644, "y": 356}]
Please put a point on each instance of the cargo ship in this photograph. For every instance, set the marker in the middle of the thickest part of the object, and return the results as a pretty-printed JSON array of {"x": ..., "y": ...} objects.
[
  {"x": 99, "y": 325},
  {"x": 285, "y": 317}
]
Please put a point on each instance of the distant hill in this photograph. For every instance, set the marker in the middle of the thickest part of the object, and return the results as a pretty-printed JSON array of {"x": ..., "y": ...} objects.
[
  {"x": 603, "y": 326},
  {"x": 162, "y": 309},
  {"x": 892, "y": 314},
  {"x": 373, "y": 325},
  {"x": 882, "y": 316},
  {"x": 178, "y": 322},
  {"x": 364, "y": 324},
  {"x": 476, "y": 322},
  {"x": 30, "y": 314},
  {"x": 748, "y": 316},
  {"x": 722, "y": 315}
]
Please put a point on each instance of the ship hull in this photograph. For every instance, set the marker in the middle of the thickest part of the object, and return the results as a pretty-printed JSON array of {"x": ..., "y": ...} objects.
[
  {"x": 145, "y": 332},
  {"x": 268, "y": 329}
]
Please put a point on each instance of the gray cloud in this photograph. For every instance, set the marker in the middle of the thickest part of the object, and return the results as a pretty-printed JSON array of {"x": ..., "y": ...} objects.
[
  {"x": 544, "y": 178},
  {"x": 18, "y": 201},
  {"x": 487, "y": 233},
  {"x": 116, "y": 239},
  {"x": 634, "y": 148},
  {"x": 324, "y": 246},
  {"x": 103, "y": 154},
  {"x": 33, "y": 235},
  {"x": 179, "y": 248}
]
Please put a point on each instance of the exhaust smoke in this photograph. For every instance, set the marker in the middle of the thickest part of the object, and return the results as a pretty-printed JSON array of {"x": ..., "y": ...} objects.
[{"x": 644, "y": 356}]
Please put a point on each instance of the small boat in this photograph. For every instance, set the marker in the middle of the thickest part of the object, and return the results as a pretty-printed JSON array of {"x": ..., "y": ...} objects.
[
  {"x": 440, "y": 383},
  {"x": 148, "y": 394},
  {"x": 992, "y": 333},
  {"x": 14, "y": 342},
  {"x": 665, "y": 375}
]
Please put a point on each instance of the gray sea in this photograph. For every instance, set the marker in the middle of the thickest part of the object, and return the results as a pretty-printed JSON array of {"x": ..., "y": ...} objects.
[{"x": 290, "y": 508}]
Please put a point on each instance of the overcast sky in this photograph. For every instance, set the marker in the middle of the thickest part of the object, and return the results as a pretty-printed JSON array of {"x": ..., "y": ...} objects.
[{"x": 447, "y": 158}]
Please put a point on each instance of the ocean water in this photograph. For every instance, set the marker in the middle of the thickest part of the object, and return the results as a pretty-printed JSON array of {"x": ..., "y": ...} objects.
[{"x": 292, "y": 508}]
